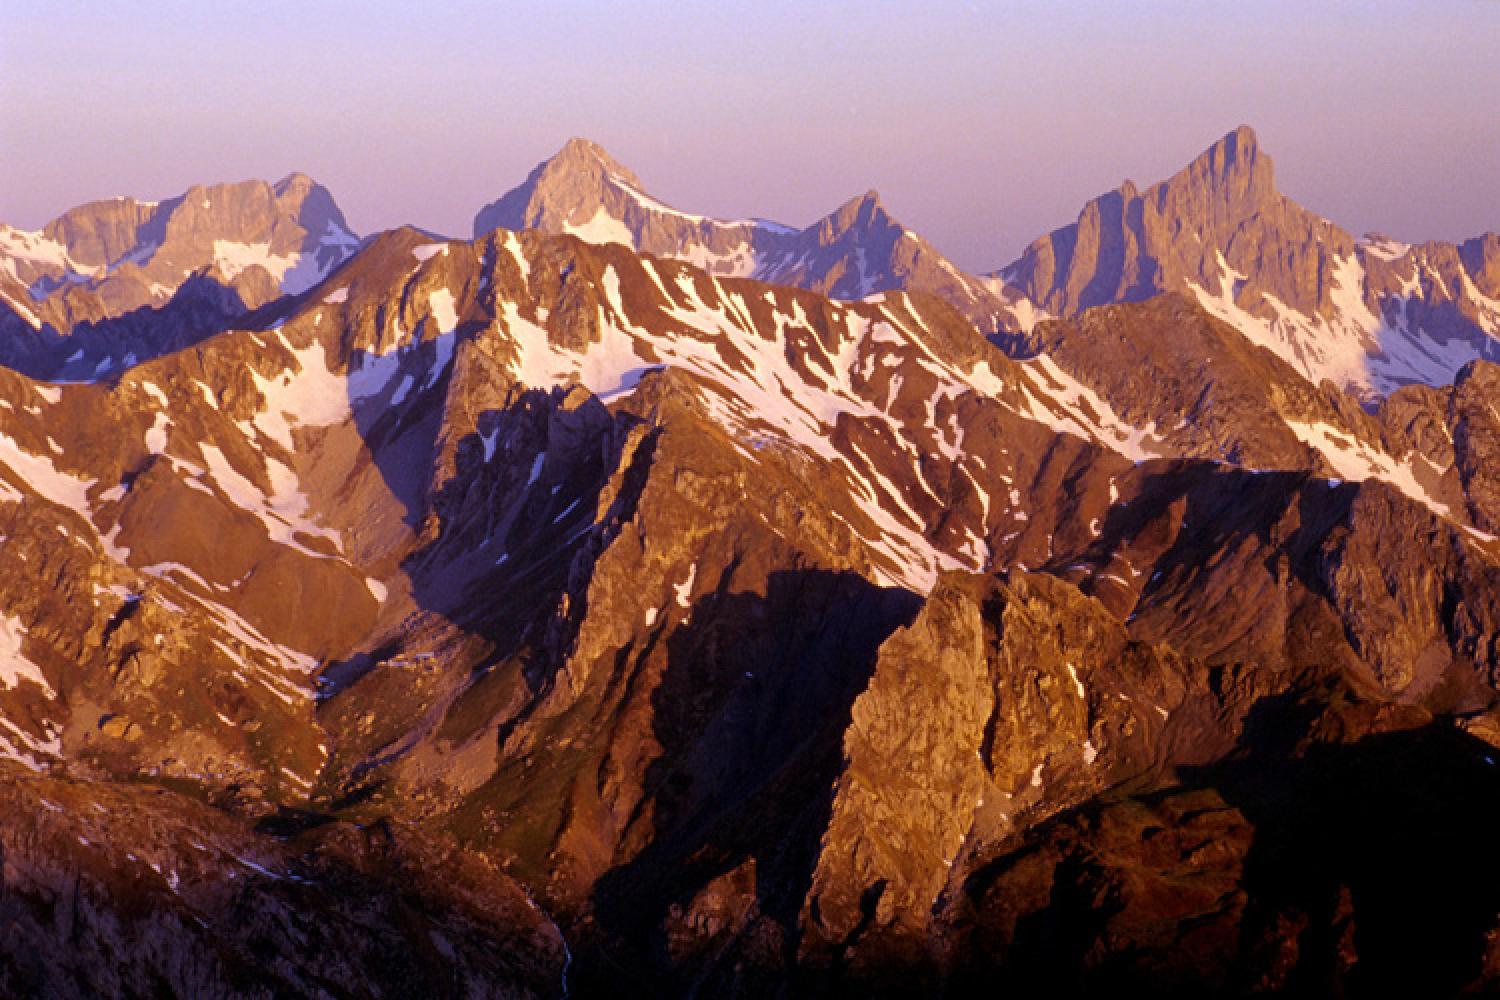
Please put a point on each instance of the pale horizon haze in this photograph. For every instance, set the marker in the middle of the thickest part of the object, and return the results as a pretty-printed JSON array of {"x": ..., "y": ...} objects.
[{"x": 982, "y": 125}]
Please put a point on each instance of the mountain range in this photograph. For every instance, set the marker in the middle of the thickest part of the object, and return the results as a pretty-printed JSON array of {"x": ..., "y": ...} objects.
[{"x": 625, "y": 601}]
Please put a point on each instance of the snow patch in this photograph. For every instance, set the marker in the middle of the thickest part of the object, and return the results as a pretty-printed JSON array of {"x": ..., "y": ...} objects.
[
  {"x": 156, "y": 434},
  {"x": 602, "y": 228},
  {"x": 14, "y": 666},
  {"x": 1356, "y": 461},
  {"x": 684, "y": 590},
  {"x": 44, "y": 478},
  {"x": 1066, "y": 405},
  {"x": 283, "y": 511},
  {"x": 444, "y": 309},
  {"x": 293, "y": 273}
]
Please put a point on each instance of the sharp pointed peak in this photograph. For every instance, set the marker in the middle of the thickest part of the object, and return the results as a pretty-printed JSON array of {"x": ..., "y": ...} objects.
[
  {"x": 1235, "y": 164},
  {"x": 567, "y": 187},
  {"x": 582, "y": 144},
  {"x": 1241, "y": 134},
  {"x": 579, "y": 147},
  {"x": 862, "y": 213},
  {"x": 864, "y": 206},
  {"x": 1240, "y": 145},
  {"x": 581, "y": 155}
]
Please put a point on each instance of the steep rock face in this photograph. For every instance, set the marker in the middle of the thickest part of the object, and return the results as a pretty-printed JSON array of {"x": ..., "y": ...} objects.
[
  {"x": 1368, "y": 315},
  {"x": 1289, "y": 574},
  {"x": 1002, "y": 704},
  {"x": 1475, "y": 428},
  {"x": 1129, "y": 245},
  {"x": 950, "y": 858}
]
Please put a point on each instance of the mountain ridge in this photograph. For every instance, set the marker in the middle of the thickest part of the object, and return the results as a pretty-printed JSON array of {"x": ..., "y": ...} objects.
[
  {"x": 243, "y": 245},
  {"x": 854, "y": 251},
  {"x": 588, "y": 619},
  {"x": 1368, "y": 316}
]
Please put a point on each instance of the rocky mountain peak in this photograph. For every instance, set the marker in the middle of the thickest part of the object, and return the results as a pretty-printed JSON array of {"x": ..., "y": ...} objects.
[
  {"x": 570, "y": 189},
  {"x": 1286, "y": 278},
  {"x": 854, "y": 251},
  {"x": 585, "y": 156},
  {"x": 863, "y": 210},
  {"x": 1128, "y": 245},
  {"x": 315, "y": 209},
  {"x": 83, "y": 292},
  {"x": 864, "y": 213},
  {"x": 295, "y": 212},
  {"x": 295, "y": 183},
  {"x": 100, "y": 232},
  {"x": 1240, "y": 146},
  {"x": 1232, "y": 177}
]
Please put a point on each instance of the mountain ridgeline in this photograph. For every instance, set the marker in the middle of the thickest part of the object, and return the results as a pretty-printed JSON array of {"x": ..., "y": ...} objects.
[{"x": 631, "y": 602}]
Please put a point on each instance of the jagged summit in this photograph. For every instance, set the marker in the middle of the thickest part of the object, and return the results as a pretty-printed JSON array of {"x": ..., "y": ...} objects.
[
  {"x": 579, "y": 153},
  {"x": 1235, "y": 176},
  {"x": 864, "y": 210},
  {"x": 1241, "y": 145},
  {"x": 1357, "y": 314},
  {"x": 854, "y": 251},
  {"x": 75, "y": 296},
  {"x": 1231, "y": 167},
  {"x": 569, "y": 190},
  {"x": 1128, "y": 244},
  {"x": 108, "y": 257}
]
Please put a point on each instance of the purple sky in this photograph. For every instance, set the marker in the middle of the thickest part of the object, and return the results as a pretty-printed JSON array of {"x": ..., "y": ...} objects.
[{"x": 982, "y": 125}]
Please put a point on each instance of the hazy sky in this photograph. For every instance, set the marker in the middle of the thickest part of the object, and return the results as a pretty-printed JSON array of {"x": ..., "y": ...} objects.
[{"x": 982, "y": 125}]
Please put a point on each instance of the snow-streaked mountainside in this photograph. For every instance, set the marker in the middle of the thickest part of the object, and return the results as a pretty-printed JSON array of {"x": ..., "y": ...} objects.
[
  {"x": 628, "y": 602},
  {"x": 72, "y": 293},
  {"x": 1369, "y": 315},
  {"x": 857, "y": 250}
]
